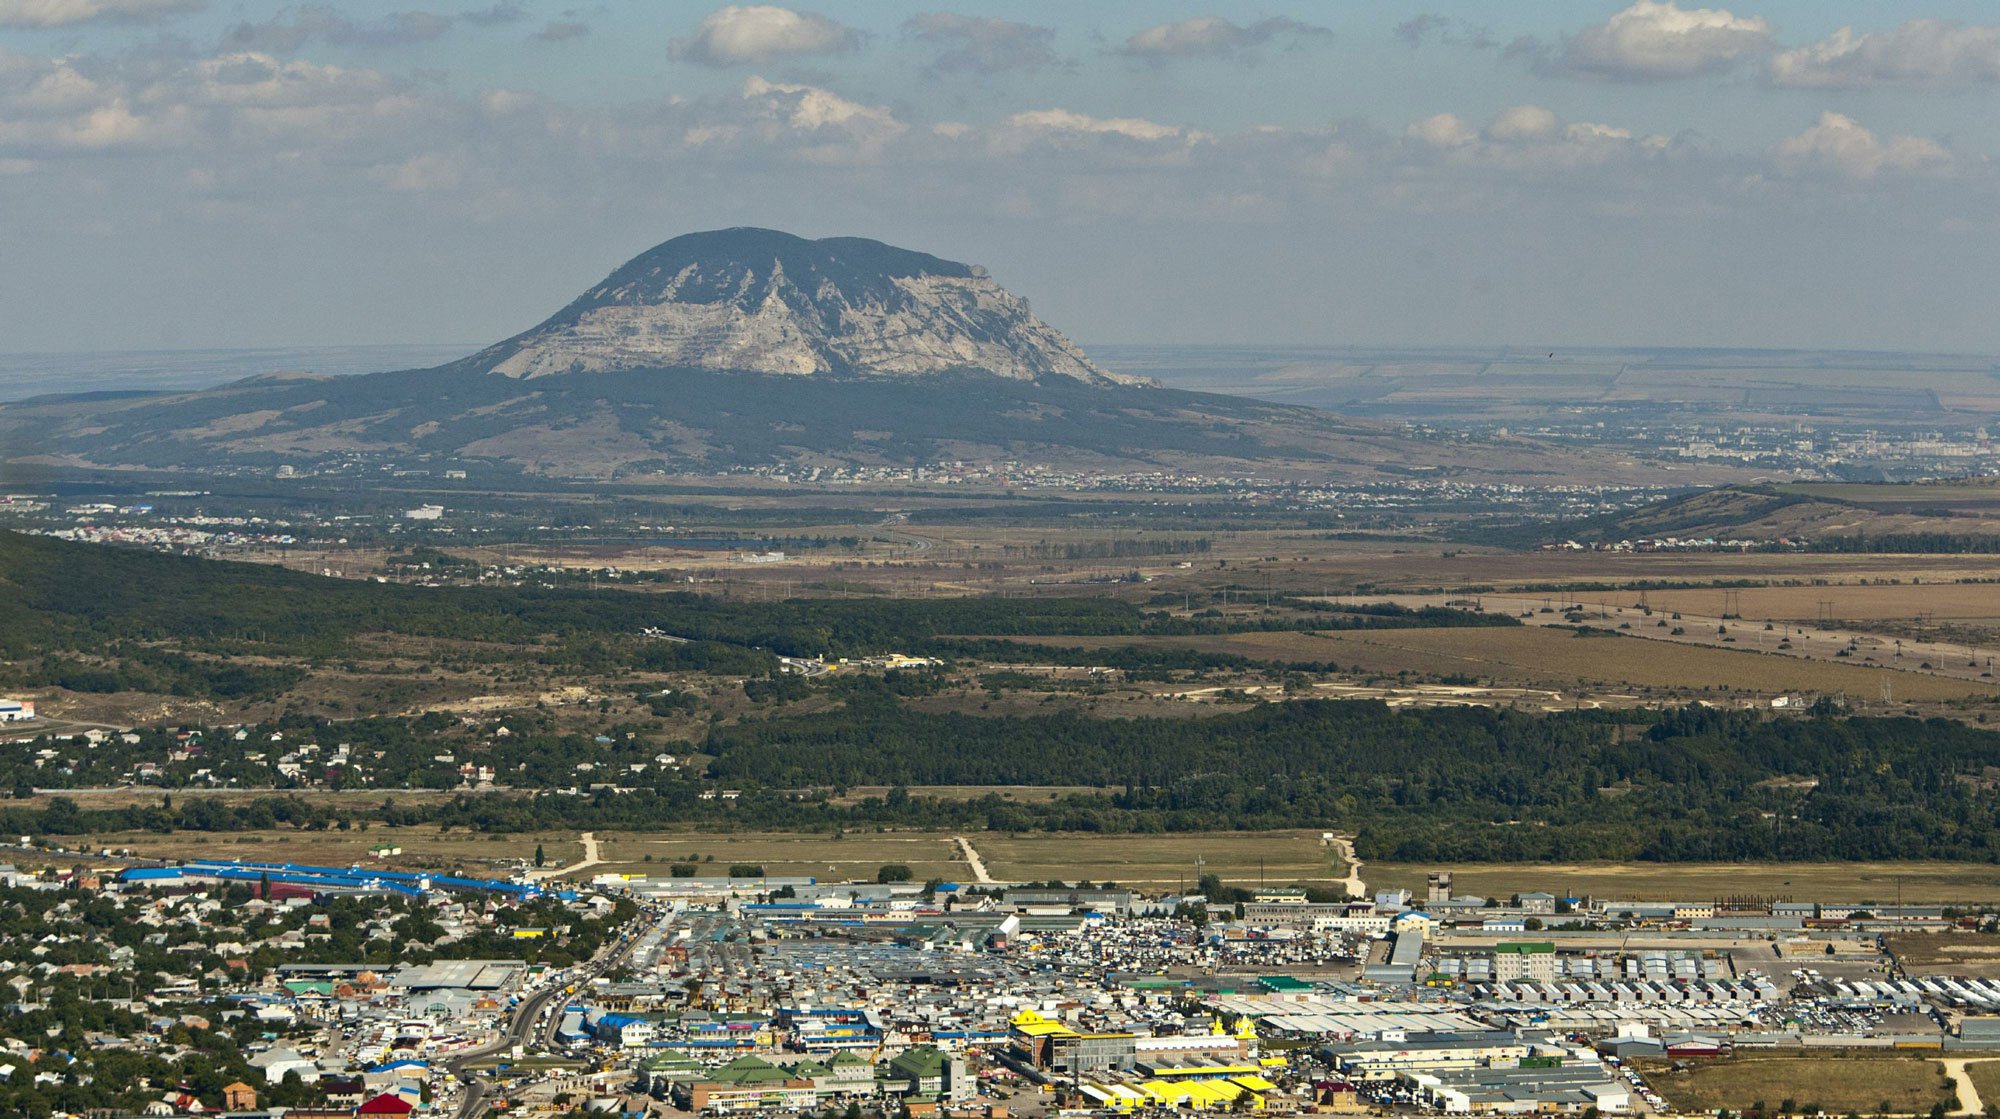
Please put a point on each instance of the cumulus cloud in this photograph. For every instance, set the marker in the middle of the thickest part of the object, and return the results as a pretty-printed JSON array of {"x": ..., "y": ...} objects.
[
  {"x": 49, "y": 108},
  {"x": 1841, "y": 145},
  {"x": 64, "y": 13},
  {"x": 498, "y": 14},
  {"x": 1529, "y": 138},
  {"x": 1445, "y": 130},
  {"x": 1452, "y": 31},
  {"x": 1058, "y": 121},
  {"x": 981, "y": 44},
  {"x": 1521, "y": 122},
  {"x": 751, "y": 33},
  {"x": 563, "y": 30},
  {"x": 1923, "y": 52},
  {"x": 163, "y": 156},
  {"x": 1216, "y": 37},
  {"x": 1657, "y": 39},
  {"x": 326, "y": 24},
  {"x": 423, "y": 173},
  {"x": 816, "y": 124}
]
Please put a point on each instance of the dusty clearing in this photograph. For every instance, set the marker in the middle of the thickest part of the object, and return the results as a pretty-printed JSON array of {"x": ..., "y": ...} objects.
[
  {"x": 1955, "y": 953},
  {"x": 1838, "y": 1082}
]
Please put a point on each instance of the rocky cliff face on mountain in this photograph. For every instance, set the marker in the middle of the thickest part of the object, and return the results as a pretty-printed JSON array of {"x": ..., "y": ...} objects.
[{"x": 761, "y": 301}]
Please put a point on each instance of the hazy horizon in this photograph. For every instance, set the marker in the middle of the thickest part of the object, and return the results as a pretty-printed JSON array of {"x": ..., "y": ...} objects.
[{"x": 1230, "y": 367}]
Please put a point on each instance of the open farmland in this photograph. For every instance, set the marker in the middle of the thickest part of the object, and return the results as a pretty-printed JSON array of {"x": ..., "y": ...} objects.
[
  {"x": 1830, "y": 882},
  {"x": 1838, "y": 1082}
]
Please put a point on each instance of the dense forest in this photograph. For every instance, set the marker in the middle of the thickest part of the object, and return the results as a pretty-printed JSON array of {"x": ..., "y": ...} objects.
[{"x": 1439, "y": 784}]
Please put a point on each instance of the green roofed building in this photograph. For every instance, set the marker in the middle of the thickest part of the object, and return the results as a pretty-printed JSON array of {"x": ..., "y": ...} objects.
[
  {"x": 657, "y": 1075},
  {"x": 929, "y": 1073},
  {"x": 846, "y": 1073},
  {"x": 748, "y": 1083},
  {"x": 1524, "y": 959},
  {"x": 750, "y": 1069}
]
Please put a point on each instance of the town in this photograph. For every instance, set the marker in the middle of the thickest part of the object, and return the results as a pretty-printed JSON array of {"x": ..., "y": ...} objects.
[{"x": 203, "y": 986}]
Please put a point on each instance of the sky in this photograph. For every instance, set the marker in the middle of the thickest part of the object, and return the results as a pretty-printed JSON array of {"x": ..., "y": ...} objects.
[{"x": 1774, "y": 173}]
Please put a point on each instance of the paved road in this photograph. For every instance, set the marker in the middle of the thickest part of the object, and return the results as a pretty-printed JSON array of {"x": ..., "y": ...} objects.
[
  {"x": 917, "y": 544},
  {"x": 515, "y": 1033},
  {"x": 520, "y": 1029}
]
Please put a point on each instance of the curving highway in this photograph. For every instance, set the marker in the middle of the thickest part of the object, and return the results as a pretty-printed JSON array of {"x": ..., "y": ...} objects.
[{"x": 521, "y": 1028}]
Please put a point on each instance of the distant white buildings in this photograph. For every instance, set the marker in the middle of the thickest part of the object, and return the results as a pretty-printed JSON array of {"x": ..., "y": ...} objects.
[
  {"x": 16, "y": 710},
  {"x": 424, "y": 513}
]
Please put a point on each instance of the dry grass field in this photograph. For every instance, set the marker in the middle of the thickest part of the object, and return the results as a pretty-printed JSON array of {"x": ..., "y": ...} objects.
[
  {"x": 1936, "y": 602},
  {"x": 423, "y": 847},
  {"x": 1955, "y": 953},
  {"x": 1557, "y": 657},
  {"x": 1985, "y": 1076},
  {"x": 1867, "y": 1083},
  {"x": 1833, "y": 882},
  {"x": 1240, "y": 858},
  {"x": 785, "y": 854},
  {"x": 1552, "y": 658},
  {"x": 1155, "y": 860}
]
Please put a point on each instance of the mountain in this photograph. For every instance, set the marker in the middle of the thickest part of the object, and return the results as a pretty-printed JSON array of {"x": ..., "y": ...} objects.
[
  {"x": 747, "y": 348},
  {"x": 761, "y": 301}
]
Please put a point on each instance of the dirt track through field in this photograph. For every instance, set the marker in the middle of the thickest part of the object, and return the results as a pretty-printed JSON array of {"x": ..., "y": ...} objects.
[{"x": 972, "y": 859}]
